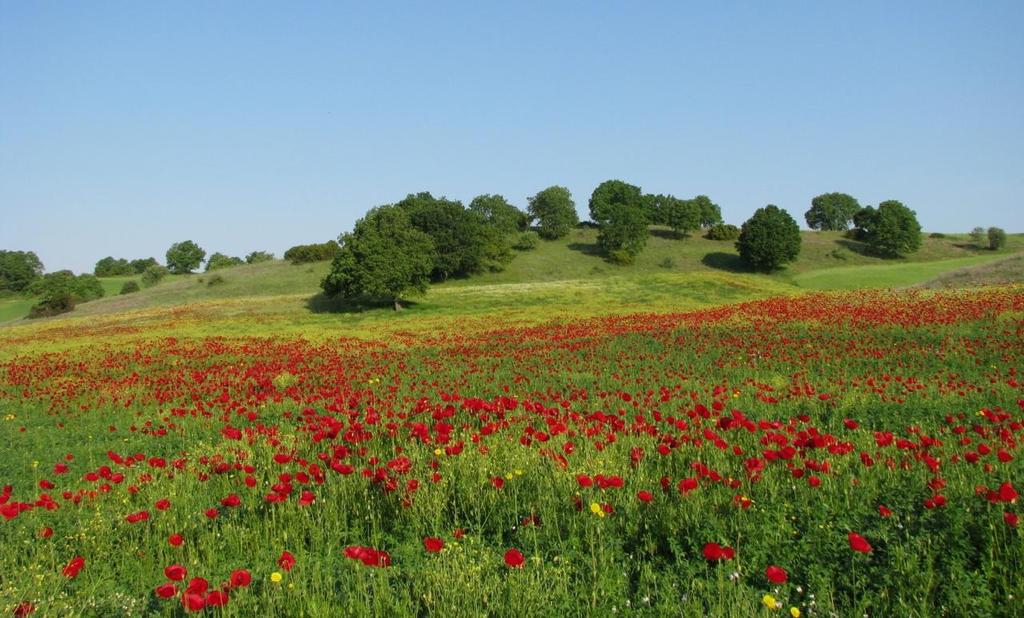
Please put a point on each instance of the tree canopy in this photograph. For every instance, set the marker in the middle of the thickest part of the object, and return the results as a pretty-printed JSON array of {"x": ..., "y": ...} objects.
[
  {"x": 111, "y": 267},
  {"x": 184, "y": 257},
  {"x": 891, "y": 229},
  {"x": 554, "y": 211},
  {"x": 611, "y": 194},
  {"x": 831, "y": 211},
  {"x": 315, "y": 252},
  {"x": 220, "y": 260},
  {"x": 710, "y": 213},
  {"x": 499, "y": 214},
  {"x": 18, "y": 269},
  {"x": 384, "y": 256},
  {"x": 769, "y": 238}
]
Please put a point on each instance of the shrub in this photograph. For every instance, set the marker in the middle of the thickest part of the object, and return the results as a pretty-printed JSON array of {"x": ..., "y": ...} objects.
[
  {"x": 215, "y": 280},
  {"x": 890, "y": 230},
  {"x": 259, "y": 256},
  {"x": 554, "y": 211},
  {"x": 525, "y": 241},
  {"x": 996, "y": 238},
  {"x": 839, "y": 254},
  {"x": 936, "y": 235},
  {"x": 978, "y": 237},
  {"x": 769, "y": 239},
  {"x": 723, "y": 231},
  {"x": 305, "y": 254},
  {"x": 56, "y": 305},
  {"x": 668, "y": 263},
  {"x": 153, "y": 274},
  {"x": 219, "y": 260},
  {"x": 111, "y": 267},
  {"x": 622, "y": 257},
  {"x": 130, "y": 287}
]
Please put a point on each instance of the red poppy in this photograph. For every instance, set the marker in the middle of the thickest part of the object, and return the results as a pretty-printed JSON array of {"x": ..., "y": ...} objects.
[
  {"x": 1007, "y": 493},
  {"x": 687, "y": 485},
  {"x": 240, "y": 578},
  {"x": 230, "y": 501},
  {"x": 175, "y": 540},
  {"x": 514, "y": 559},
  {"x": 46, "y": 532},
  {"x": 714, "y": 552},
  {"x": 433, "y": 544},
  {"x": 162, "y": 504},
  {"x": 776, "y": 574},
  {"x": 198, "y": 585},
  {"x": 135, "y": 518},
  {"x": 306, "y": 498},
  {"x": 193, "y": 602},
  {"x": 175, "y": 572},
  {"x": 498, "y": 482},
  {"x": 216, "y": 598},
  {"x": 286, "y": 561},
  {"x": 1011, "y": 519},
  {"x": 24, "y": 609},
  {"x": 212, "y": 513},
  {"x": 859, "y": 543},
  {"x": 644, "y": 496},
  {"x": 884, "y": 511},
  {"x": 166, "y": 591},
  {"x": 73, "y": 567}
]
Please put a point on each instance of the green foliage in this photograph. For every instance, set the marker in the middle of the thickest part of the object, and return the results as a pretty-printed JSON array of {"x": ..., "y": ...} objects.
[
  {"x": 464, "y": 243},
  {"x": 110, "y": 267},
  {"x": 60, "y": 291},
  {"x": 890, "y": 230},
  {"x": 622, "y": 257},
  {"x": 683, "y": 216},
  {"x": 184, "y": 257},
  {"x": 624, "y": 230},
  {"x": 722, "y": 231},
  {"x": 219, "y": 260},
  {"x": 153, "y": 274},
  {"x": 140, "y": 265},
  {"x": 996, "y": 238},
  {"x": 525, "y": 241},
  {"x": 668, "y": 263},
  {"x": 831, "y": 211},
  {"x": 18, "y": 270},
  {"x": 554, "y": 211},
  {"x": 769, "y": 239},
  {"x": 130, "y": 287},
  {"x": 217, "y": 279},
  {"x": 384, "y": 256},
  {"x": 979, "y": 237},
  {"x": 259, "y": 256},
  {"x": 936, "y": 235},
  {"x": 608, "y": 198},
  {"x": 499, "y": 214},
  {"x": 316, "y": 252},
  {"x": 710, "y": 213}
]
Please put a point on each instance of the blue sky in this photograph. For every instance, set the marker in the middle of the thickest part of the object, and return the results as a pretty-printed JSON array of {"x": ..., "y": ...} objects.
[{"x": 125, "y": 127}]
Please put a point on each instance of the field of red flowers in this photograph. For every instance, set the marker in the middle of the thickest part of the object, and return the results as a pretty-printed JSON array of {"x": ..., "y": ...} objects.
[{"x": 824, "y": 455}]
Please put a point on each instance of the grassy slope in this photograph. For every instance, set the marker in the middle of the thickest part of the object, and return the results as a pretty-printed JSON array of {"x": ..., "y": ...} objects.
[
  {"x": 1006, "y": 270},
  {"x": 566, "y": 276}
]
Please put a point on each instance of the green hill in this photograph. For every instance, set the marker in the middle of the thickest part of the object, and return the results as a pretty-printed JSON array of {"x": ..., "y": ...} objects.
[{"x": 569, "y": 272}]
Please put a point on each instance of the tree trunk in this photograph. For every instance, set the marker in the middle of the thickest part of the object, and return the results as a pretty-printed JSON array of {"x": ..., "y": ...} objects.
[{"x": 398, "y": 305}]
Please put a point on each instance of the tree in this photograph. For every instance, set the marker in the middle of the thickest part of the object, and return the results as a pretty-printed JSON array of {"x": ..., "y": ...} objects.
[
  {"x": 259, "y": 256},
  {"x": 463, "y": 241},
  {"x": 996, "y": 238},
  {"x": 891, "y": 230},
  {"x": 978, "y": 237},
  {"x": 184, "y": 257},
  {"x": 710, "y": 213},
  {"x": 384, "y": 256},
  {"x": 219, "y": 260},
  {"x": 110, "y": 267},
  {"x": 623, "y": 234},
  {"x": 683, "y": 216},
  {"x": 499, "y": 214},
  {"x": 769, "y": 239},
  {"x": 610, "y": 194},
  {"x": 154, "y": 274},
  {"x": 60, "y": 291},
  {"x": 554, "y": 211},
  {"x": 140, "y": 265},
  {"x": 831, "y": 211},
  {"x": 18, "y": 270},
  {"x": 317, "y": 252}
]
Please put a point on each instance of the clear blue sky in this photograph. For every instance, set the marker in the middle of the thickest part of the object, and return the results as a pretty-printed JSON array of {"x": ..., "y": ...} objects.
[{"x": 127, "y": 126}]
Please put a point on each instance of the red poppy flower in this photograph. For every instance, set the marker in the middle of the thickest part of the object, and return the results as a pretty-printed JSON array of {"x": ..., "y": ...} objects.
[
  {"x": 884, "y": 511},
  {"x": 713, "y": 551},
  {"x": 46, "y": 532},
  {"x": 175, "y": 540},
  {"x": 687, "y": 485},
  {"x": 286, "y": 561},
  {"x": 162, "y": 504},
  {"x": 166, "y": 591},
  {"x": 175, "y": 572},
  {"x": 240, "y": 578},
  {"x": 212, "y": 513},
  {"x": 498, "y": 482},
  {"x": 859, "y": 543},
  {"x": 230, "y": 501},
  {"x": 306, "y": 498},
  {"x": 1007, "y": 493},
  {"x": 1011, "y": 519},
  {"x": 216, "y": 598},
  {"x": 198, "y": 585},
  {"x": 433, "y": 544},
  {"x": 514, "y": 559},
  {"x": 135, "y": 518},
  {"x": 193, "y": 602},
  {"x": 776, "y": 574},
  {"x": 644, "y": 496},
  {"x": 72, "y": 569},
  {"x": 24, "y": 609}
]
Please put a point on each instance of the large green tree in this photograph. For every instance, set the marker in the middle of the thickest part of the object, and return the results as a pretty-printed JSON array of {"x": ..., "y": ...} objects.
[
  {"x": 384, "y": 256},
  {"x": 140, "y": 265},
  {"x": 18, "y": 269},
  {"x": 611, "y": 194},
  {"x": 891, "y": 229},
  {"x": 498, "y": 213},
  {"x": 683, "y": 216},
  {"x": 623, "y": 234},
  {"x": 463, "y": 241},
  {"x": 184, "y": 257},
  {"x": 554, "y": 211},
  {"x": 831, "y": 211},
  {"x": 220, "y": 260},
  {"x": 710, "y": 213},
  {"x": 769, "y": 239},
  {"x": 112, "y": 267}
]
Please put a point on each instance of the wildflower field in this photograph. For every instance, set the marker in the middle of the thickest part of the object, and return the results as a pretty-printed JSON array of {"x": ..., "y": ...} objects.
[{"x": 833, "y": 454}]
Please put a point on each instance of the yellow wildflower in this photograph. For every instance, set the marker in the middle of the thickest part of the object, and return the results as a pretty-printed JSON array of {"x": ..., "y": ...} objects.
[
  {"x": 275, "y": 577},
  {"x": 769, "y": 601},
  {"x": 596, "y": 509}
]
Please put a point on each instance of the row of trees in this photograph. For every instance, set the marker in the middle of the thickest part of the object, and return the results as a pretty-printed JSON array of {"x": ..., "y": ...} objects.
[
  {"x": 186, "y": 256},
  {"x": 994, "y": 238}
]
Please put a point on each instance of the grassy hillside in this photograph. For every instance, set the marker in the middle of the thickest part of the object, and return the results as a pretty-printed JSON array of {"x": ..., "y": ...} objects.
[
  {"x": 569, "y": 273},
  {"x": 1006, "y": 270}
]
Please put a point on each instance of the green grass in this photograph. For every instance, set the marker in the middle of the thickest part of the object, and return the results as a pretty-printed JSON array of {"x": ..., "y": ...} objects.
[
  {"x": 899, "y": 274},
  {"x": 14, "y": 308},
  {"x": 1005, "y": 270},
  {"x": 112, "y": 285}
]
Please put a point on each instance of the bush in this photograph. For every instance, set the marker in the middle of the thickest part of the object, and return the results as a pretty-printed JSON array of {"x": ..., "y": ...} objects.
[
  {"x": 153, "y": 274},
  {"x": 769, "y": 239},
  {"x": 259, "y": 256},
  {"x": 61, "y": 303},
  {"x": 305, "y": 254},
  {"x": 891, "y": 230},
  {"x": 668, "y": 263},
  {"x": 219, "y": 260},
  {"x": 936, "y": 235},
  {"x": 622, "y": 257},
  {"x": 722, "y": 231},
  {"x": 215, "y": 280},
  {"x": 129, "y": 287},
  {"x": 996, "y": 238},
  {"x": 111, "y": 267},
  {"x": 525, "y": 241},
  {"x": 839, "y": 254},
  {"x": 978, "y": 237}
]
